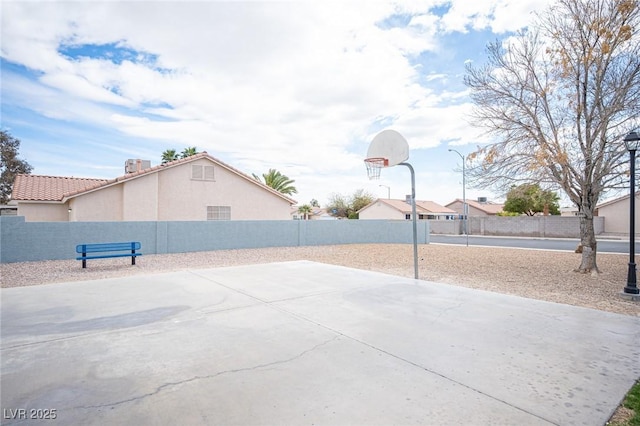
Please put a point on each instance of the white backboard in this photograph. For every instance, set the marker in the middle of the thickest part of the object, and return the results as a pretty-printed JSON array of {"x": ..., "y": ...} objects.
[{"x": 391, "y": 145}]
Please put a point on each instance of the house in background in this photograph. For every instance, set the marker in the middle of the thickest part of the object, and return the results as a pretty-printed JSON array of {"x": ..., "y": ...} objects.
[
  {"x": 481, "y": 207},
  {"x": 569, "y": 211},
  {"x": 616, "y": 214},
  {"x": 199, "y": 187},
  {"x": 383, "y": 208},
  {"x": 317, "y": 213},
  {"x": 8, "y": 210}
]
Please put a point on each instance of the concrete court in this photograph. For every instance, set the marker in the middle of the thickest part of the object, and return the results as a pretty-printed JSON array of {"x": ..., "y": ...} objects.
[{"x": 301, "y": 343}]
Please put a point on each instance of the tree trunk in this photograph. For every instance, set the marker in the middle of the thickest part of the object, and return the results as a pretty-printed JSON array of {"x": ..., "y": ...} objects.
[{"x": 589, "y": 245}]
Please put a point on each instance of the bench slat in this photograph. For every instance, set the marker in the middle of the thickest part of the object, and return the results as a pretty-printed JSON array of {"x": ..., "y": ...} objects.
[
  {"x": 103, "y": 247},
  {"x": 105, "y": 256}
]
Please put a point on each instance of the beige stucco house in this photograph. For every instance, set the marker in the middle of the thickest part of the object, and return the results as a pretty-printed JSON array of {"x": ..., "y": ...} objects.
[
  {"x": 481, "y": 207},
  {"x": 616, "y": 214},
  {"x": 383, "y": 208},
  {"x": 199, "y": 187}
]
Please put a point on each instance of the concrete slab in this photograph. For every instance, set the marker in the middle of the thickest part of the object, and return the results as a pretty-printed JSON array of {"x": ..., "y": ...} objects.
[{"x": 306, "y": 343}]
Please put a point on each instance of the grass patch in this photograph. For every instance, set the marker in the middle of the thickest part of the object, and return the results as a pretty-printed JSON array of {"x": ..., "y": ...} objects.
[{"x": 628, "y": 414}]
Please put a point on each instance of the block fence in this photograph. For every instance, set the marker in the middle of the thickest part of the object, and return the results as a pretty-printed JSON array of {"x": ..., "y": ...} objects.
[
  {"x": 531, "y": 226},
  {"x": 22, "y": 241},
  {"x": 517, "y": 226}
]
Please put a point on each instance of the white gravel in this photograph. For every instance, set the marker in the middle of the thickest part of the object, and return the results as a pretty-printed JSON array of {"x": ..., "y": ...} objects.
[{"x": 537, "y": 274}]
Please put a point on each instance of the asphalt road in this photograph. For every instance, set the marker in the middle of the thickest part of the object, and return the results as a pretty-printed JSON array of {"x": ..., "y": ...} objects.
[{"x": 566, "y": 244}]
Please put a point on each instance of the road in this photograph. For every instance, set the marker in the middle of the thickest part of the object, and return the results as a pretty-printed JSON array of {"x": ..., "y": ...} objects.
[{"x": 565, "y": 244}]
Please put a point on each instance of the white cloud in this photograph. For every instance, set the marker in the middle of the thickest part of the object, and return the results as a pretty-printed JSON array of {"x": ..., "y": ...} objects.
[
  {"x": 298, "y": 86},
  {"x": 499, "y": 16}
]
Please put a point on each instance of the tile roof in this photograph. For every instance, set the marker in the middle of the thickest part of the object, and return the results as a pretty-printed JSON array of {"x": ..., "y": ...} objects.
[
  {"x": 488, "y": 207},
  {"x": 50, "y": 188},
  {"x": 421, "y": 206},
  {"x": 57, "y": 188},
  {"x": 432, "y": 207}
]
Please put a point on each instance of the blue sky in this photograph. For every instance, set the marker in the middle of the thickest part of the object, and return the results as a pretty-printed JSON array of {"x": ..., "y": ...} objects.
[{"x": 299, "y": 86}]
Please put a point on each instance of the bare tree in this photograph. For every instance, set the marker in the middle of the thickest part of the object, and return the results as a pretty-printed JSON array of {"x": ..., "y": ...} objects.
[{"x": 557, "y": 100}]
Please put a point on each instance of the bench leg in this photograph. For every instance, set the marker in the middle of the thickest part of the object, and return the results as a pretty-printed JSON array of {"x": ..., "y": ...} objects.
[
  {"x": 133, "y": 258},
  {"x": 84, "y": 261}
]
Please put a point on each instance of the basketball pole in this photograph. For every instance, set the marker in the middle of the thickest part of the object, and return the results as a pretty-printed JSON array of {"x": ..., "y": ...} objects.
[{"x": 413, "y": 216}]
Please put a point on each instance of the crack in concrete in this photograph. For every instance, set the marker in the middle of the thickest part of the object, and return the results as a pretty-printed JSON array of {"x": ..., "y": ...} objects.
[{"x": 210, "y": 376}]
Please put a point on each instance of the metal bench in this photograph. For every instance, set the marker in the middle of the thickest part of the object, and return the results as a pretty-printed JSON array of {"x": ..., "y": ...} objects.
[{"x": 108, "y": 249}]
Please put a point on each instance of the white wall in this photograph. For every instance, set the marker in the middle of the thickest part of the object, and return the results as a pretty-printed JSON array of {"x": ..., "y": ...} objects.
[
  {"x": 380, "y": 210},
  {"x": 43, "y": 212},
  {"x": 140, "y": 198},
  {"x": 617, "y": 216},
  {"x": 182, "y": 198},
  {"x": 97, "y": 206}
]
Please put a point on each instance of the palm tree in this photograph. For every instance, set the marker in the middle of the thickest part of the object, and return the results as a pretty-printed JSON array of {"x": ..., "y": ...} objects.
[
  {"x": 305, "y": 209},
  {"x": 188, "y": 152},
  {"x": 278, "y": 181},
  {"x": 169, "y": 155}
]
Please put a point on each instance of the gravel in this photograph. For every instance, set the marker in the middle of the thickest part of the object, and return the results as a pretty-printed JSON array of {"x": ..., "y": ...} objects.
[{"x": 537, "y": 274}]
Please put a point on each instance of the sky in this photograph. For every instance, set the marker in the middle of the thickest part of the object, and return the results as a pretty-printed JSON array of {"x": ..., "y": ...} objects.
[{"x": 298, "y": 86}]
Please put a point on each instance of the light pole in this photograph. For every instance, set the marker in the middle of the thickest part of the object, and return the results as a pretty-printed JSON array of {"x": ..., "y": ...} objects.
[
  {"x": 388, "y": 191},
  {"x": 632, "y": 141},
  {"x": 465, "y": 212}
]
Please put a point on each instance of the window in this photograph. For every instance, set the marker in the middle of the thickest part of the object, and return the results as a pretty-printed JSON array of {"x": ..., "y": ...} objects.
[
  {"x": 200, "y": 172},
  {"x": 218, "y": 212}
]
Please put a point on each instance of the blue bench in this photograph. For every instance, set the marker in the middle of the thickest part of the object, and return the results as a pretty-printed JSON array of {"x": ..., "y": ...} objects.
[{"x": 106, "y": 250}]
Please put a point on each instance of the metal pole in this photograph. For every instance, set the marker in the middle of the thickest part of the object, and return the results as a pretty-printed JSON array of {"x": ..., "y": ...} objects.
[
  {"x": 415, "y": 223},
  {"x": 465, "y": 207},
  {"x": 631, "y": 287}
]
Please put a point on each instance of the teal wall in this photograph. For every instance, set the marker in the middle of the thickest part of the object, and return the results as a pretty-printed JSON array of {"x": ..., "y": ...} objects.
[{"x": 22, "y": 241}]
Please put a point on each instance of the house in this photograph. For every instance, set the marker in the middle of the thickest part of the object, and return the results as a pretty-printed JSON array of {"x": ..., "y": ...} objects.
[
  {"x": 481, "y": 207},
  {"x": 199, "y": 187},
  {"x": 384, "y": 208},
  {"x": 569, "y": 211},
  {"x": 8, "y": 210},
  {"x": 616, "y": 214},
  {"x": 317, "y": 213}
]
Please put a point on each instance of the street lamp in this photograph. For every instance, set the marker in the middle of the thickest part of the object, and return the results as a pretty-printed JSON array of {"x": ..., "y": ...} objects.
[
  {"x": 465, "y": 212},
  {"x": 632, "y": 141},
  {"x": 388, "y": 191}
]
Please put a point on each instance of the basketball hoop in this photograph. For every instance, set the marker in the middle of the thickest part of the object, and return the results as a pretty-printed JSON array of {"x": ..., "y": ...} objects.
[{"x": 374, "y": 165}]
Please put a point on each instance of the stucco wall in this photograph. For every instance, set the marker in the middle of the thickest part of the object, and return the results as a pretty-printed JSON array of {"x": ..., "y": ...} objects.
[
  {"x": 43, "y": 212},
  {"x": 102, "y": 205},
  {"x": 182, "y": 198},
  {"x": 381, "y": 210},
  {"x": 140, "y": 198},
  {"x": 457, "y": 206},
  {"x": 617, "y": 215}
]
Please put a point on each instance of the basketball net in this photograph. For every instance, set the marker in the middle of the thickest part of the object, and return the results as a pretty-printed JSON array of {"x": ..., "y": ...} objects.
[{"x": 374, "y": 165}]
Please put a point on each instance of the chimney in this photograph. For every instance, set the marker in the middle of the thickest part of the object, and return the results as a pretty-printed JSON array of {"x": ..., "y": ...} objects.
[
  {"x": 482, "y": 200},
  {"x": 137, "y": 165}
]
